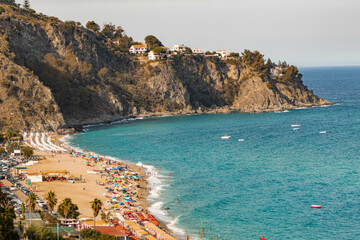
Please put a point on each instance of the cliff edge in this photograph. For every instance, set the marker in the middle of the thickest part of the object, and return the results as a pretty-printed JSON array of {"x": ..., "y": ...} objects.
[{"x": 56, "y": 75}]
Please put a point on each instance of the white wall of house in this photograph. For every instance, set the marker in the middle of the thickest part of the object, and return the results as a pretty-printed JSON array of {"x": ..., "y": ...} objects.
[
  {"x": 179, "y": 48},
  {"x": 138, "y": 49},
  {"x": 197, "y": 51},
  {"x": 224, "y": 53},
  {"x": 151, "y": 56}
]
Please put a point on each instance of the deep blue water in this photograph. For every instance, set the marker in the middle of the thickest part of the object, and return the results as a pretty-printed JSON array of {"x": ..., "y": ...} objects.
[{"x": 265, "y": 185}]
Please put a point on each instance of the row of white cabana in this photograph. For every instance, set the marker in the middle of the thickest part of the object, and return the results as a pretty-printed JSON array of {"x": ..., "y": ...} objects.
[{"x": 42, "y": 142}]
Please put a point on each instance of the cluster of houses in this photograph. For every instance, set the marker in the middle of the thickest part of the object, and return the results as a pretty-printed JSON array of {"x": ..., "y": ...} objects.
[{"x": 177, "y": 48}]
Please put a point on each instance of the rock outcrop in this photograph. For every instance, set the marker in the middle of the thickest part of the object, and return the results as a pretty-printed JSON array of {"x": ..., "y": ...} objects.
[{"x": 55, "y": 75}]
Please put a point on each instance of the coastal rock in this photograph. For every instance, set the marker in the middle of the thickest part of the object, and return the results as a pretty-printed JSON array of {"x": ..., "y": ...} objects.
[{"x": 58, "y": 74}]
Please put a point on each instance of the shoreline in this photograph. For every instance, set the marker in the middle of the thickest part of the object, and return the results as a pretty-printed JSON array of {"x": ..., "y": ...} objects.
[
  {"x": 222, "y": 110},
  {"x": 82, "y": 193}
]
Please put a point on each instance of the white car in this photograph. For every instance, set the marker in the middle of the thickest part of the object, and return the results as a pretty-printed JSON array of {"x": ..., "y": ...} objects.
[{"x": 12, "y": 188}]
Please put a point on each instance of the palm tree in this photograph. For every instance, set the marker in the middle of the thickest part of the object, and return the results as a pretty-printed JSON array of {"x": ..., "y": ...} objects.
[
  {"x": 31, "y": 203},
  {"x": 67, "y": 203},
  {"x": 96, "y": 206},
  {"x": 51, "y": 200}
]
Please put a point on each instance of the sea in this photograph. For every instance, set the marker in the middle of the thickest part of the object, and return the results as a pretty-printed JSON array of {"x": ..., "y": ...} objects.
[{"x": 262, "y": 181}]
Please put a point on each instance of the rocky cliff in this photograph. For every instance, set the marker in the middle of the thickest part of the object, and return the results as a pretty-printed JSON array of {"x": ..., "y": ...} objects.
[{"x": 56, "y": 75}]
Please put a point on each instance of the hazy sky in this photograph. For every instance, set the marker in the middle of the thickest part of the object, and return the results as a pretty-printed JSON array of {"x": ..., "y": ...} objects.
[{"x": 301, "y": 32}]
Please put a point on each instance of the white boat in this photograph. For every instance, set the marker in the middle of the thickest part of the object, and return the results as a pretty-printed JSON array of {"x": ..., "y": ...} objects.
[
  {"x": 295, "y": 129},
  {"x": 295, "y": 125},
  {"x": 241, "y": 140},
  {"x": 322, "y": 132},
  {"x": 225, "y": 137}
]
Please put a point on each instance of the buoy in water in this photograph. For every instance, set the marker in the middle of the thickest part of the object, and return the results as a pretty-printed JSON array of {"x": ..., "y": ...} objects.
[
  {"x": 262, "y": 237},
  {"x": 315, "y": 206}
]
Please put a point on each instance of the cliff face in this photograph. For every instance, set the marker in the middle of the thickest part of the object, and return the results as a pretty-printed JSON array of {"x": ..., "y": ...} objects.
[
  {"x": 25, "y": 103},
  {"x": 57, "y": 74}
]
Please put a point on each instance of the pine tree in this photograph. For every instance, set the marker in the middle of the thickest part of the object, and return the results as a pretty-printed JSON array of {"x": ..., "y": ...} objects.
[{"x": 26, "y": 4}]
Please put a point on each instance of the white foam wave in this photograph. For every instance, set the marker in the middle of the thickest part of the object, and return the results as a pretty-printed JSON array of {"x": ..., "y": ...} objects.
[
  {"x": 177, "y": 231},
  {"x": 155, "y": 185}
]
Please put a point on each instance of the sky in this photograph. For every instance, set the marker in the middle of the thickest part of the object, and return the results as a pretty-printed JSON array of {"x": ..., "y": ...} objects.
[{"x": 300, "y": 32}]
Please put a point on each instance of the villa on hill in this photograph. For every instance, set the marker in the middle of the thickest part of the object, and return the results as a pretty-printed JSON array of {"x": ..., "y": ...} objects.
[
  {"x": 197, "y": 51},
  {"x": 138, "y": 49},
  {"x": 224, "y": 53},
  {"x": 179, "y": 48}
]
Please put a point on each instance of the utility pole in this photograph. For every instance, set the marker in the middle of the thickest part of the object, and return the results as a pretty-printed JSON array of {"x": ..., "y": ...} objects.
[{"x": 57, "y": 230}]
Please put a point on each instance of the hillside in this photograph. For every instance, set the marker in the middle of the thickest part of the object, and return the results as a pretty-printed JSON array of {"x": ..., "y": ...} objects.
[{"x": 56, "y": 75}]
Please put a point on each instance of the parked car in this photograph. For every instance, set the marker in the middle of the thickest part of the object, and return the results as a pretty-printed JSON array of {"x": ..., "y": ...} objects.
[{"x": 12, "y": 188}]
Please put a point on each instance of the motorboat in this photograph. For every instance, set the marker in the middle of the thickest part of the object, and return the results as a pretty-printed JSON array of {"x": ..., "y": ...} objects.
[
  {"x": 295, "y": 129},
  {"x": 225, "y": 137},
  {"x": 241, "y": 140},
  {"x": 322, "y": 132},
  {"x": 315, "y": 206}
]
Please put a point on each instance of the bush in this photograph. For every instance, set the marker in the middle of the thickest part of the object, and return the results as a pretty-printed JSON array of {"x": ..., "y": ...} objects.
[
  {"x": 90, "y": 233},
  {"x": 27, "y": 151},
  {"x": 2, "y": 10},
  {"x": 40, "y": 233}
]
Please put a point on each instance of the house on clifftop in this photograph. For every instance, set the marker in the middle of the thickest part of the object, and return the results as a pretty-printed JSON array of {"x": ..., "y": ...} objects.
[
  {"x": 224, "y": 53},
  {"x": 138, "y": 49}
]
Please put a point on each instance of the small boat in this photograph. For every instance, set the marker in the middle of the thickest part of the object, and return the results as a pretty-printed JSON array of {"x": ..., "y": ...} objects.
[
  {"x": 295, "y": 129},
  {"x": 295, "y": 125},
  {"x": 225, "y": 137},
  {"x": 241, "y": 140},
  {"x": 315, "y": 206},
  {"x": 322, "y": 132}
]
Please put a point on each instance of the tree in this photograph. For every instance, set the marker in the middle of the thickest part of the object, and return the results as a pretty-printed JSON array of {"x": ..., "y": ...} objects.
[
  {"x": 119, "y": 32},
  {"x": 51, "y": 200},
  {"x": 109, "y": 30},
  {"x": 89, "y": 233},
  {"x": 40, "y": 233},
  {"x": 188, "y": 50},
  {"x": 254, "y": 59},
  {"x": 31, "y": 200},
  {"x": 7, "y": 216},
  {"x": 96, "y": 206},
  {"x": 26, "y": 4},
  {"x": 23, "y": 209},
  {"x": 93, "y": 26},
  {"x": 27, "y": 151},
  {"x": 67, "y": 209},
  {"x": 152, "y": 42},
  {"x": 12, "y": 133},
  {"x": 159, "y": 50},
  {"x": 12, "y": 146}
]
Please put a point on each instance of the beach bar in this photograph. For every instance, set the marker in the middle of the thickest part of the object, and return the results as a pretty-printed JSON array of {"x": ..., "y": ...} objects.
[{"x": 34, "y": 177}]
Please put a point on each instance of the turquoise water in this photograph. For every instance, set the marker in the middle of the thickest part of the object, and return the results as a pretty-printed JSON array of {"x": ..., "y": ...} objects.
[{"x": 263, "y": 186}]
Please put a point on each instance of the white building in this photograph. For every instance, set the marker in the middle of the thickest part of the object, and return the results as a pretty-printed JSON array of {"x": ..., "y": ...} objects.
[
  {"x": 197, "y": 51},
  {"x": 224, "y": 53},
  {"x": 34, "y": 177},
  {"x": 153, "y": 56},
  {"x": 179, "y": 48},
  {"x": 138, "y": 49}
]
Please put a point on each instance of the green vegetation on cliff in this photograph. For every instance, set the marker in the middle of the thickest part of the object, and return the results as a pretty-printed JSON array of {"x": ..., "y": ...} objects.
[{"x": 56, "y": 74}]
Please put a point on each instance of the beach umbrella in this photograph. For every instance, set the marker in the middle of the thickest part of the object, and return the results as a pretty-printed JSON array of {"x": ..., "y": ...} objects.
[{"x": 116, "y": 184}]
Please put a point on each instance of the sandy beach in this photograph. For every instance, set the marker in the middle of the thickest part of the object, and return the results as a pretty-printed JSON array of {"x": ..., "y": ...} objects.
[{"x": 81, "y": 192}]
